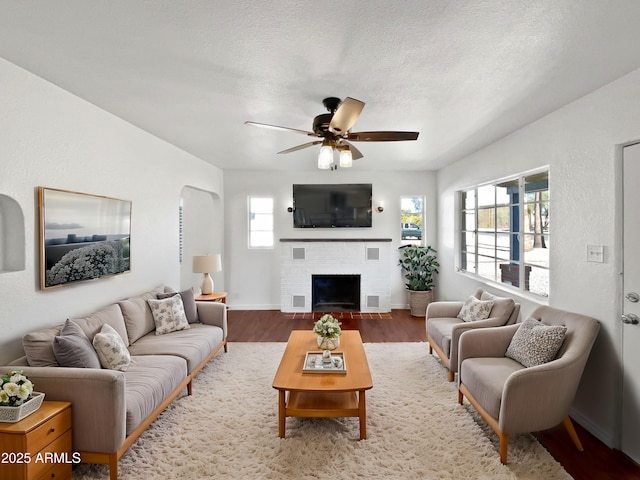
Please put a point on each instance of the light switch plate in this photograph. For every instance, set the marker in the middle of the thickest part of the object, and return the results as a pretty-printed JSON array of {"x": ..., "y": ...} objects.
[{"x": 595, "y": 253}]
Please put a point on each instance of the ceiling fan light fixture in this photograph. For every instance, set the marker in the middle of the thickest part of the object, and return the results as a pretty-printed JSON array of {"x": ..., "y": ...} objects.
[
  {"x": 346, "y": 159},
  {"x": 325, "y": 158}
]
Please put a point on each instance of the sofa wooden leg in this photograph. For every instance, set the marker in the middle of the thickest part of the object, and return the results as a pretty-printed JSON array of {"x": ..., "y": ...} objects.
[
  {"x": 190, "y": 387},
  {"x": 226, "y": 346},
  {"x": 430, "y": 350},
  {"x": 113, "y": 467},
  {"x": 568, "y": 424},
  {"x": 460, "y": 397},
  {"x": 504, "y": 443},
  {"x": 451, "y": 375}
]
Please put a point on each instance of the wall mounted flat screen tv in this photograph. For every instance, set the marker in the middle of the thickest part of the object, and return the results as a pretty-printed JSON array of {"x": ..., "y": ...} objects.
[{"x": 330, "y": 206}]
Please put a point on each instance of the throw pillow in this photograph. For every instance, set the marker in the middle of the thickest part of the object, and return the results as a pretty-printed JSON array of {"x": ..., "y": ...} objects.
[
  {"x": 535, "y": 343},
  {"x": 73, "y": 348},
  {"x": 474, "y": 309},
  {"x": 188, "y": 301},
  {"x": 112, "y": 352},
  {"x": 168, "y": 314}
]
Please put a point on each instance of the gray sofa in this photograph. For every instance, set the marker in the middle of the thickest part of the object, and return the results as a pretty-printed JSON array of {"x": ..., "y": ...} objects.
[{"x": 111, "y": 408}]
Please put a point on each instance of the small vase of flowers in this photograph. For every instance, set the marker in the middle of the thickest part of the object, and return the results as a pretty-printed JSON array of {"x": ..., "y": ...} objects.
[
  {"x": 328, "y": 330},
  {"x": 17, "y": 398}
]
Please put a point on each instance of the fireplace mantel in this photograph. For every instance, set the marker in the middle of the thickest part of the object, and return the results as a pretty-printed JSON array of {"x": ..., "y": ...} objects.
[{"x": 283, "y": 240}]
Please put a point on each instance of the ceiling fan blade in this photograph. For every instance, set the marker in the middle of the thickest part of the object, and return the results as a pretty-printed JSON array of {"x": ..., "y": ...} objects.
[
  {"x": 346, "y": 115},
  {"x": 355, "y": 153},
  {"x": 300, "y": 147},
  {"x": 381, "y": 136},
  {"x": 286, "y": 129}
]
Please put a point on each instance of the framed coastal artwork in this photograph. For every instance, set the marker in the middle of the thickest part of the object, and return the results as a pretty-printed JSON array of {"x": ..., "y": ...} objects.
[{"x": 82, "y": 237}]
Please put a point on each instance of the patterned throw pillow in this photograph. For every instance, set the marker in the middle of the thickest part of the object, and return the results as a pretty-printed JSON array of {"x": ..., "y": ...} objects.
[
  {"x": 536, "y": 343},
  {"x": 111, "y": 350},
  {"x": 474, "y": 309},
  {"x": 188, "y": 301},
  {"x": 168, "y": 314}
]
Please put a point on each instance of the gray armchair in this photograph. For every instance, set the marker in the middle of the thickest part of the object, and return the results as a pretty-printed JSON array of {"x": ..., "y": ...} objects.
[
  {"x": 444, "y": 327},
  {"x": 512, "y": 398}
]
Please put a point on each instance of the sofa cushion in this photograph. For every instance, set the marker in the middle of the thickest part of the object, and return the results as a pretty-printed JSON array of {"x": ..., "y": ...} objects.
[
  {"x": 474, "y": 309},
  {"x": 112, "y": 352},
  {"x": 535, "y": 343},
  {"x": 502, "y": 306},
  {"x": 150, "y": 380},
  {"x": 111, "y": 315},
  {"x": 193, "y": 345},
  {"x": 38, "y": 347},
  {"x": 168, "y": 314},
  {"x": 188, "y": 301},
  {"x": 138, "y": 318},
  {"x": 73, "y": 348}
]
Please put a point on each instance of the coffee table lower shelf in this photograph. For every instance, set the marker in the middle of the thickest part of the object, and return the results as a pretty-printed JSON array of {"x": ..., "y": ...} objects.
[{"x": 322, "y": 405}]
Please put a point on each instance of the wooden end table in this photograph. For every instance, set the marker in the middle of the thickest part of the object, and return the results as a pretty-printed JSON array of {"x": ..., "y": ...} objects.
[
  {"x": 322, "y": 394},
  {"x": 212, "y": 297},
  {"x": 38, "y": 446}
]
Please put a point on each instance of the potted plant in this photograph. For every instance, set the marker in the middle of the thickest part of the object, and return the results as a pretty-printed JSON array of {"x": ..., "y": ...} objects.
[{"x": 419, "y": 265}]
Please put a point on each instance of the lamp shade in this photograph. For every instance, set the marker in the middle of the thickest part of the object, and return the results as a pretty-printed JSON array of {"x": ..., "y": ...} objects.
[{"x": 207, "y": 263}]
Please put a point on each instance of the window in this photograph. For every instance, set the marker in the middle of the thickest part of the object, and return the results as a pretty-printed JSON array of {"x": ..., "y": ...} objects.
[
  {"x": 260, "y": 222},
  {"x": 180, "y": 231},
  {"x": 412, "y": 220},
  {"x": 504, "y": 233}
]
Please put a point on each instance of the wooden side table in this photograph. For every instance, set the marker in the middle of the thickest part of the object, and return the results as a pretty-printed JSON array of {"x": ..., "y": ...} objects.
[
  {"x": 38, "y": 446},
  {"x": 213, "y": 297}
]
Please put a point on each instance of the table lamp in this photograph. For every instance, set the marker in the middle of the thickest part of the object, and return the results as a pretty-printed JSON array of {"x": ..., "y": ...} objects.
[{"x": 207, "y": 264}]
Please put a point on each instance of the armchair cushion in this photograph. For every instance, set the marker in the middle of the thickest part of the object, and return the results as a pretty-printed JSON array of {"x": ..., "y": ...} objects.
[
  {"x": 535, "y": 343},
  {"x": 474, "y": 309},
  {"x": 502, "y": 306}
]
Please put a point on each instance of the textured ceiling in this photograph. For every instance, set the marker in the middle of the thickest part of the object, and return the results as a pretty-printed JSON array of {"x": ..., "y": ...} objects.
[{"x": 462, "y": 73}]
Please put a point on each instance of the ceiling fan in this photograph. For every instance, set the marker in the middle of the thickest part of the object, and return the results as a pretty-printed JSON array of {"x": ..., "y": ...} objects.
[{"x": 334, "y": 130}]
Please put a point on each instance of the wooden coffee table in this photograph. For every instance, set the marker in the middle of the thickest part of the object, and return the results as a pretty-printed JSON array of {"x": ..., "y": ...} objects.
[{"x": 303, "y": 394}]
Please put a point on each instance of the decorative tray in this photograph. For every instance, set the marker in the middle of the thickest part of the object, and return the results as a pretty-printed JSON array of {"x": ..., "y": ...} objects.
[{"x": 314, "y": 363}]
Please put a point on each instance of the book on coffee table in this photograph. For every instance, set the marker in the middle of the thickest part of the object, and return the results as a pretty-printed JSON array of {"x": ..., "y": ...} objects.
[{"x": 315, "y": 363}]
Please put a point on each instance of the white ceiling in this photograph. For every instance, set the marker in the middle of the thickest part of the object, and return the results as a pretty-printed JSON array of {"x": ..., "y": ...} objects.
[{"x": 462, "y": 73}]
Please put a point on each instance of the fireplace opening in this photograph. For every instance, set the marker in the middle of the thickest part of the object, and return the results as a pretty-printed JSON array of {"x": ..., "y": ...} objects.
[{"x": 335, "y": 293}]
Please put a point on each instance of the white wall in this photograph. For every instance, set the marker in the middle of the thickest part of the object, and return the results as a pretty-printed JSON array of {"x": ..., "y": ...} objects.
[
  {"x": 253, "y": 282},
  {"x": 51, "y": 138},
  {"x": 579, "y": 143}
]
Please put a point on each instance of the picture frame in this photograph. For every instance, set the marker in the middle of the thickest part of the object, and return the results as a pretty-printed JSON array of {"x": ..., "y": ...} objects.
[{"x": 82, "y": 237}]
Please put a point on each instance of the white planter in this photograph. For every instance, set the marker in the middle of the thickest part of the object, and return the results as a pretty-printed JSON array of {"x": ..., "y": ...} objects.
[{"x": 15, "y": 414}]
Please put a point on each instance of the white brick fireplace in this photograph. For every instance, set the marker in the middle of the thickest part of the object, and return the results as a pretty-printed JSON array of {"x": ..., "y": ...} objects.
[{"x": 302, "y": 258}]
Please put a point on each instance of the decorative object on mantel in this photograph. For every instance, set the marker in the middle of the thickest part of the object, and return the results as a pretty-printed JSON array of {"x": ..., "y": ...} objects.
[
  {"x": 328, "y": 330},
  {"x": 207, "y": 264},
  {"x": 419, "y": 265},
  {"x": 17, "y": 398}
]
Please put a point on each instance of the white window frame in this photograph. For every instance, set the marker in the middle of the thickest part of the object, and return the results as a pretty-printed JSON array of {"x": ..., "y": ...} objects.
[
  {"x": 268, "y": 217},
  {"x": 414, "y": 241},
  {"x": 475, "y": 251}
]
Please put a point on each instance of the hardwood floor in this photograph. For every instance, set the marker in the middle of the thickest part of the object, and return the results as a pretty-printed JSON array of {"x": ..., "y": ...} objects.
[{"x": 596, "y": 462}]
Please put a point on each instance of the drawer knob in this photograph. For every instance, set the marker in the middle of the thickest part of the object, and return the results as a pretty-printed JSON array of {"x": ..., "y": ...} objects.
[{"x": 52, "y": 430}]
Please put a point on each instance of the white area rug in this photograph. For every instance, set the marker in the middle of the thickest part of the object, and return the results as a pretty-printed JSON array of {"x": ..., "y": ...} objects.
[{"x": 228, "y": 428}]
